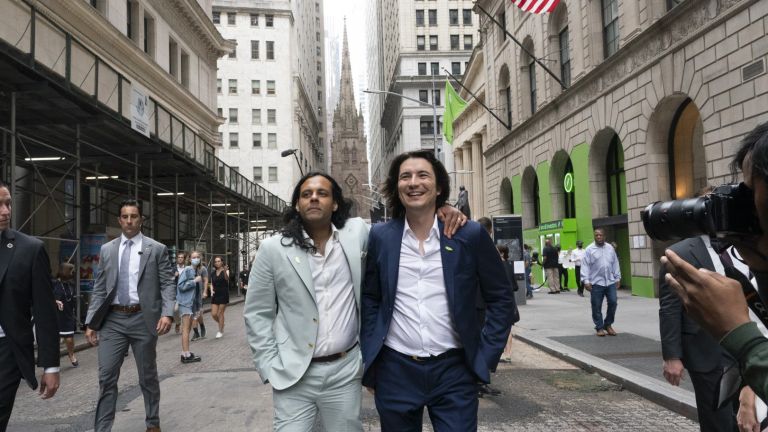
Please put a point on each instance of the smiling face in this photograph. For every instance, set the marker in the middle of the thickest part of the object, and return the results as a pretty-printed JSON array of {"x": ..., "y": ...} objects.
[
  {"x": 315, "y": 204},
  {"x": 416, "y": 185},
  {"x": 5, "y": 208}
]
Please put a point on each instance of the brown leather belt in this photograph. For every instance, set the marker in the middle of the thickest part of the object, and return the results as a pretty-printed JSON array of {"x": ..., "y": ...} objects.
[
  {"x": 333, "y": 357},
  {"x": 131, "y": 309}
]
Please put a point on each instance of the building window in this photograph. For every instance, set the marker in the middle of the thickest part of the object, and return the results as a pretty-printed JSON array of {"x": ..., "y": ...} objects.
[
  {"x": 233, "y": 115},
  {"x": 570, "y": 197},
  {"x": 468, "y": 42},
  {"x": 272, "y": 140},
  {"x": 132, "y": 21},
  {"x": 426, "y": 126},
  {"x": 270, "y": 50},
  {"x": 231, "y": 18},
  {"x": 256, "y": 116},
  {"x": 220, "y": 111},
  {"x": 422, "y": 68},
  {"x": 456, "y": 68},
  {"x": 433, "y": 17},
  {"x": 610, "y": 27},
  {"x": 218, "y": 85},
  {"x": 317, "y": 50},
  {"x": 273, "y": 174},
  {"x": 184, "y": 69},
  {"x": 254, "y": 20},
  {"x": 233, "y": 54},
  {"x": 565, "y": 58},
  {"x": 271, "y": 116},
  {"x": 420, "y": 43},
  {"x": 424, "y": 96},
  {"x": 453, "y": 17},
  {"x": 435, "y": 68},
  {"x": 255, "y": 87},
  {"x": 269, "y": 20},
  {"x": 454, "y": 42},
  {"x": 532, "y": 83},
  {"x": 436, "y": 98},
  {"x": 672, "y": 3},
  {"x": 254, "y": 50},
  {"x": 502, "y": 19},
  {"x": 614, "y": 169},
  {"x": 536, "y": 202},
  {"x": 257, "y": 174},
  {"x": 217, "y": 17},
  {"x": 233, "y": 139},
  {"x": 433, "y": 43},
  {"x": 467, "y": 13},
  {"x": 256, "y": 140},
  {"x": 419, "y": 17},
  {"x": 149, "y": 35},
  {"x": 233, "y": 86},
  {"x": 271, "y": 88}
]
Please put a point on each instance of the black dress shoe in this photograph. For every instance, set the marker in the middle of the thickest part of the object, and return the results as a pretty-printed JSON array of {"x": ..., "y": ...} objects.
[{"x": 191, "y": 359}]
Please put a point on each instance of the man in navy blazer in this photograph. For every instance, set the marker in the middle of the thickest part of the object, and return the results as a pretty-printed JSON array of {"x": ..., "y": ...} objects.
[{"x": 422, "y": 342}]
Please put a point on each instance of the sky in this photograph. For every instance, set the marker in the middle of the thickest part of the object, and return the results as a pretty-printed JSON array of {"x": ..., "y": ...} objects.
[{"x": 355, "y": 12}]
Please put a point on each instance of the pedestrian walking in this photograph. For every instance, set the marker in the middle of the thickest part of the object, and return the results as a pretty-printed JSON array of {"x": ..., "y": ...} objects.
[
  {"x": 527, "y": 263},
  {"x": 198, "y": 322},
  {"x": 188, "y": 293},
  {"x": 577, "y": 255},
  {"x": 219, "y": 293},
  {"x": 181, "y": 262},
  {"x": 66, "y": 303},
  {"x": 601, "y": 275},
  {"x": 550, "y": 262}
]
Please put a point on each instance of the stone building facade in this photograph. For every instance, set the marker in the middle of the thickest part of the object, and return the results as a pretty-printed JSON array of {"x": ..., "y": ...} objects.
[
  {"x": 349, "y": 161},
  {"x": 658, "y": 94}
]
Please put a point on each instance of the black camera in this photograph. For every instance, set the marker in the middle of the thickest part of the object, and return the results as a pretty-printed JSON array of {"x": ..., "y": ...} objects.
[{"x": 728, "y": 213}]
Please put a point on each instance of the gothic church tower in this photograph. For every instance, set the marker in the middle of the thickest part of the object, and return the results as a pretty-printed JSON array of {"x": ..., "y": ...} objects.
[{"x": 349, "y": 160}]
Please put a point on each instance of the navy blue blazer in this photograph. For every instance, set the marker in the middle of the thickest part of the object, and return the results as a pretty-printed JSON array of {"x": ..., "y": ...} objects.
[{"x": 470, "y": 262}]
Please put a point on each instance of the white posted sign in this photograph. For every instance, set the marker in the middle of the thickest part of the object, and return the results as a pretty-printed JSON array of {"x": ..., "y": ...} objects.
[{"x": 139, "y": 110}]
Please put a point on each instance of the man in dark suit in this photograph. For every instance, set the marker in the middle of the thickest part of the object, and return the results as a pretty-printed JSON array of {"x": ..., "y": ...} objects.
[
  {"x": 421, "y": 340},
  {"x": 25, "y": 292},
  {"x": 685, "y": 345},
  {"x": 132, "y": 303}
]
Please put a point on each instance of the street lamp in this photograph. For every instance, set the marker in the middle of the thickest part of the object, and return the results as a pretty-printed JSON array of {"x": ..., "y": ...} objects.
[
  {"x": 434, "y": 108},
  {"x": 286, "y": 153}
]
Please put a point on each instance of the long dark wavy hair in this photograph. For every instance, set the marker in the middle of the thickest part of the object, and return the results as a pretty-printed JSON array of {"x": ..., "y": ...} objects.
[
  {"x": 292, "y": 222},
  {"x": 442, "y": 180},
  {"x": 754, "y": 145}
]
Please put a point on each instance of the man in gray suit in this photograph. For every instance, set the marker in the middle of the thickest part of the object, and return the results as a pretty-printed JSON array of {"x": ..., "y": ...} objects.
[
  {"x": 132, "y": 303},
  {"x": 302, "y": 308}
]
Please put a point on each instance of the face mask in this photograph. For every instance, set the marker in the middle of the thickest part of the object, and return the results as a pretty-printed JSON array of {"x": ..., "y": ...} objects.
[{"x": 195, "y": 261}]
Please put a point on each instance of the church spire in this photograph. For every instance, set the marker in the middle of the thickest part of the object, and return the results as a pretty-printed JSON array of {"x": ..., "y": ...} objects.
[{"x": 347, "y": 91}]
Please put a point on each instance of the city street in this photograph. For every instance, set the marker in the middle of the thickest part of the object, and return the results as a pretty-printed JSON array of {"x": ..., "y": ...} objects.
[{"x": 223, "y": 393}]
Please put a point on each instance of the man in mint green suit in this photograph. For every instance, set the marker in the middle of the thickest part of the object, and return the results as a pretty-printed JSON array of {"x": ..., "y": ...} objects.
[{"x": 302, "y": 308}]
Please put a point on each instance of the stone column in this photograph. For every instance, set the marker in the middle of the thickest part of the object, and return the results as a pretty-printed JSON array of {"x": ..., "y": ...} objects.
[
  {"x": 478, "y": 199},
  {"x": 458, "y": 165}
]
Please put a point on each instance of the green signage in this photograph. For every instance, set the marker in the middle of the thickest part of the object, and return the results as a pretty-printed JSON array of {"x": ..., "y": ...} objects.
[
  {"x": 568, "y": 182},
  {"x": 546, "y": 226}
]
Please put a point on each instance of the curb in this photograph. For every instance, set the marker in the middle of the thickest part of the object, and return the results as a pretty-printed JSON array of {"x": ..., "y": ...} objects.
[
  {"x": 672, "y": 398},
  {"x": 85, "y": 345}
]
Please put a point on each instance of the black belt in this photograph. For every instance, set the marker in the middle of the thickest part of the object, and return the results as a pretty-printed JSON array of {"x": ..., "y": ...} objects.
[
  {"x": 131, "y": 309},
  {"x": 454, "y": 352},
  {"x": 333, "y": 357}
]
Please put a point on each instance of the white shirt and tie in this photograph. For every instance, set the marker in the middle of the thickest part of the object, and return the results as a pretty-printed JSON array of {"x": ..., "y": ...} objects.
[
  {"x": 421, "y": 321},
  {"x": 133, "y": 268}
]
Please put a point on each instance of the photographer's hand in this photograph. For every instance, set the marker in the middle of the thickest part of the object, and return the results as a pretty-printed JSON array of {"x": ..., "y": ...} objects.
[{"x": 714, "y": 301}]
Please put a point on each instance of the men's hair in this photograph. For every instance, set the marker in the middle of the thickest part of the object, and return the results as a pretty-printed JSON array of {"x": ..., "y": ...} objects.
[
  {"x": 3, "y": 184},
  {"x": 181, "y": 252},
  {"x": 293, "y": 225},
  {"x": 130, "y": 202},
  {"x": 486, "y": 223},
  {"x": 602, "y": 231},
  {"x": 579, "y": 243},
  {"x": 526, "y": 246},
  {"x": 389, "y": 191},
  {"x": 504, "y": 250},
  {"x": 756, "y": 145}
]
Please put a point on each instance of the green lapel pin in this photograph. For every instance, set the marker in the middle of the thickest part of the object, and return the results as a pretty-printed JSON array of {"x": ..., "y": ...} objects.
[{"x": 449, "y": 249}]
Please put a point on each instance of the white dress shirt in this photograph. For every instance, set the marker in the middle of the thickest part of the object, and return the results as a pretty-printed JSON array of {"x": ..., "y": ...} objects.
[
  {"x": 133, "y": 269},
  {"x": 421, "y": 321},
  {"x": 338, "y": 322},
  {"x": 600, "y": 265},
  {"x": 577, "y": 255}
]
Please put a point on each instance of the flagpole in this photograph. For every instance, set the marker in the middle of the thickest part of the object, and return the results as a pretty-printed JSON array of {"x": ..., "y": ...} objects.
[
  {"x": 434, "y": 115},
  {"x": 530, "y": 54},
  {"x": 508, "y": 126}
]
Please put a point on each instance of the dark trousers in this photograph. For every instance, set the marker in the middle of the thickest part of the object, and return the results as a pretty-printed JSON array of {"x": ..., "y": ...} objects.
[
  {"x": 404, "y": 386},
  {"x": 705, "y": 386},
  {"x": 579, "y": 285},
  {"x": 563, "y": 277},
  {"x": 10, "y": 377}
]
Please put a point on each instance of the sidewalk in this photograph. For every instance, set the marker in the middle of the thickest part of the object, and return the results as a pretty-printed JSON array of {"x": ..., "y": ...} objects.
[{"x": 562, "y": 326}]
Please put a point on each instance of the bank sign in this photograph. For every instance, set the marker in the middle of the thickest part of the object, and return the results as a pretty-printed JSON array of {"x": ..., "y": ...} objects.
[{"x": 139, "y": 110}]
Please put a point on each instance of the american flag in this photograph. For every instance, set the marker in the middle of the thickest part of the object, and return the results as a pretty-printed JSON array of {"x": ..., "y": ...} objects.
[{"x": 536, "y": 6}]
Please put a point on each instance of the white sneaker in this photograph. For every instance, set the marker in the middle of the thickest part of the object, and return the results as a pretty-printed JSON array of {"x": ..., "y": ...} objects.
[{"x": 219, "y": 335}]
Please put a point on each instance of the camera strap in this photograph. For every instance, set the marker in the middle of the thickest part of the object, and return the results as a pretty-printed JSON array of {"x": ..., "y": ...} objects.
[{"x": 754, "y": 301}]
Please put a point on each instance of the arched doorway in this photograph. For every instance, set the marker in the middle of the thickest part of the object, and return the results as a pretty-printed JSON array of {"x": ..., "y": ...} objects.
[
  {"x": 506, "y": 198},
  {"x": 530, "y": 199}
]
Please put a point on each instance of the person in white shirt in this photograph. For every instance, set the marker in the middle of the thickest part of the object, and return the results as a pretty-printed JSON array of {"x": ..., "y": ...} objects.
[
  {"x": 576, "y": 256},
  {"x": 600, "y": 275}
]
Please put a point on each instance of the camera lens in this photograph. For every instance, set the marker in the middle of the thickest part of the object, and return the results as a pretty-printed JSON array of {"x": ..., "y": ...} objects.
[{"x": 678, "y": 219}]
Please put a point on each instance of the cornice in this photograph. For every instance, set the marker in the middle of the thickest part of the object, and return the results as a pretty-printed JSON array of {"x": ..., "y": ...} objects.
[
  {"x": 189, "y": 20},
  {"x": 97, "y": 34}
]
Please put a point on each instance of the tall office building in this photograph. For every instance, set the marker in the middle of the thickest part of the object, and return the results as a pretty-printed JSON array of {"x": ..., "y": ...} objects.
[
  {"x": 271, "y": 90},
  {"x": 412, "y": 42}
]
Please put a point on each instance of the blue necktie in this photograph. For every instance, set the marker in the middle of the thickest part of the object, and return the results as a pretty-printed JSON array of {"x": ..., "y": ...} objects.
[{"x": 123, "y": 287}]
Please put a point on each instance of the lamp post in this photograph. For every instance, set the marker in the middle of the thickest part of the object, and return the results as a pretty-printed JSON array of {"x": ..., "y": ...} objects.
[
  {"x": 434, "y": 107},
  {"x": 377, "y": 201},
  {"x": 286, "y": 153}
]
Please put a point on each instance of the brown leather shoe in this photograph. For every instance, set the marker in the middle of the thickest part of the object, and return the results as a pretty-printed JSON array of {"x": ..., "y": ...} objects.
[
  {"x": 601, "y": 332},
  {"x": 153, "y": 429},
  {"x": 611, "y": 331}
]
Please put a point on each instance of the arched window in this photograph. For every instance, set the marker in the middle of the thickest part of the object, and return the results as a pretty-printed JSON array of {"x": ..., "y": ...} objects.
[
  {"x": 614, "y": 169},
  {"x": 569, "y": 191},
  {"x": 505, "y": 93},
  {"x": 688, "y": 166},
  {"x": 536, "y": 202}
]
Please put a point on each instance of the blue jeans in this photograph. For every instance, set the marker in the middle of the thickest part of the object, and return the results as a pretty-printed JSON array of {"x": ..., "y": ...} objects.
[
  {"x": 598, "y": 292},
  {"x": 528, "y": 287}
]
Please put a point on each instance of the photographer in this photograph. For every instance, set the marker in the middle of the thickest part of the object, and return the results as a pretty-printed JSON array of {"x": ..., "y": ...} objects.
[{"x": 716, "y": 302}]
